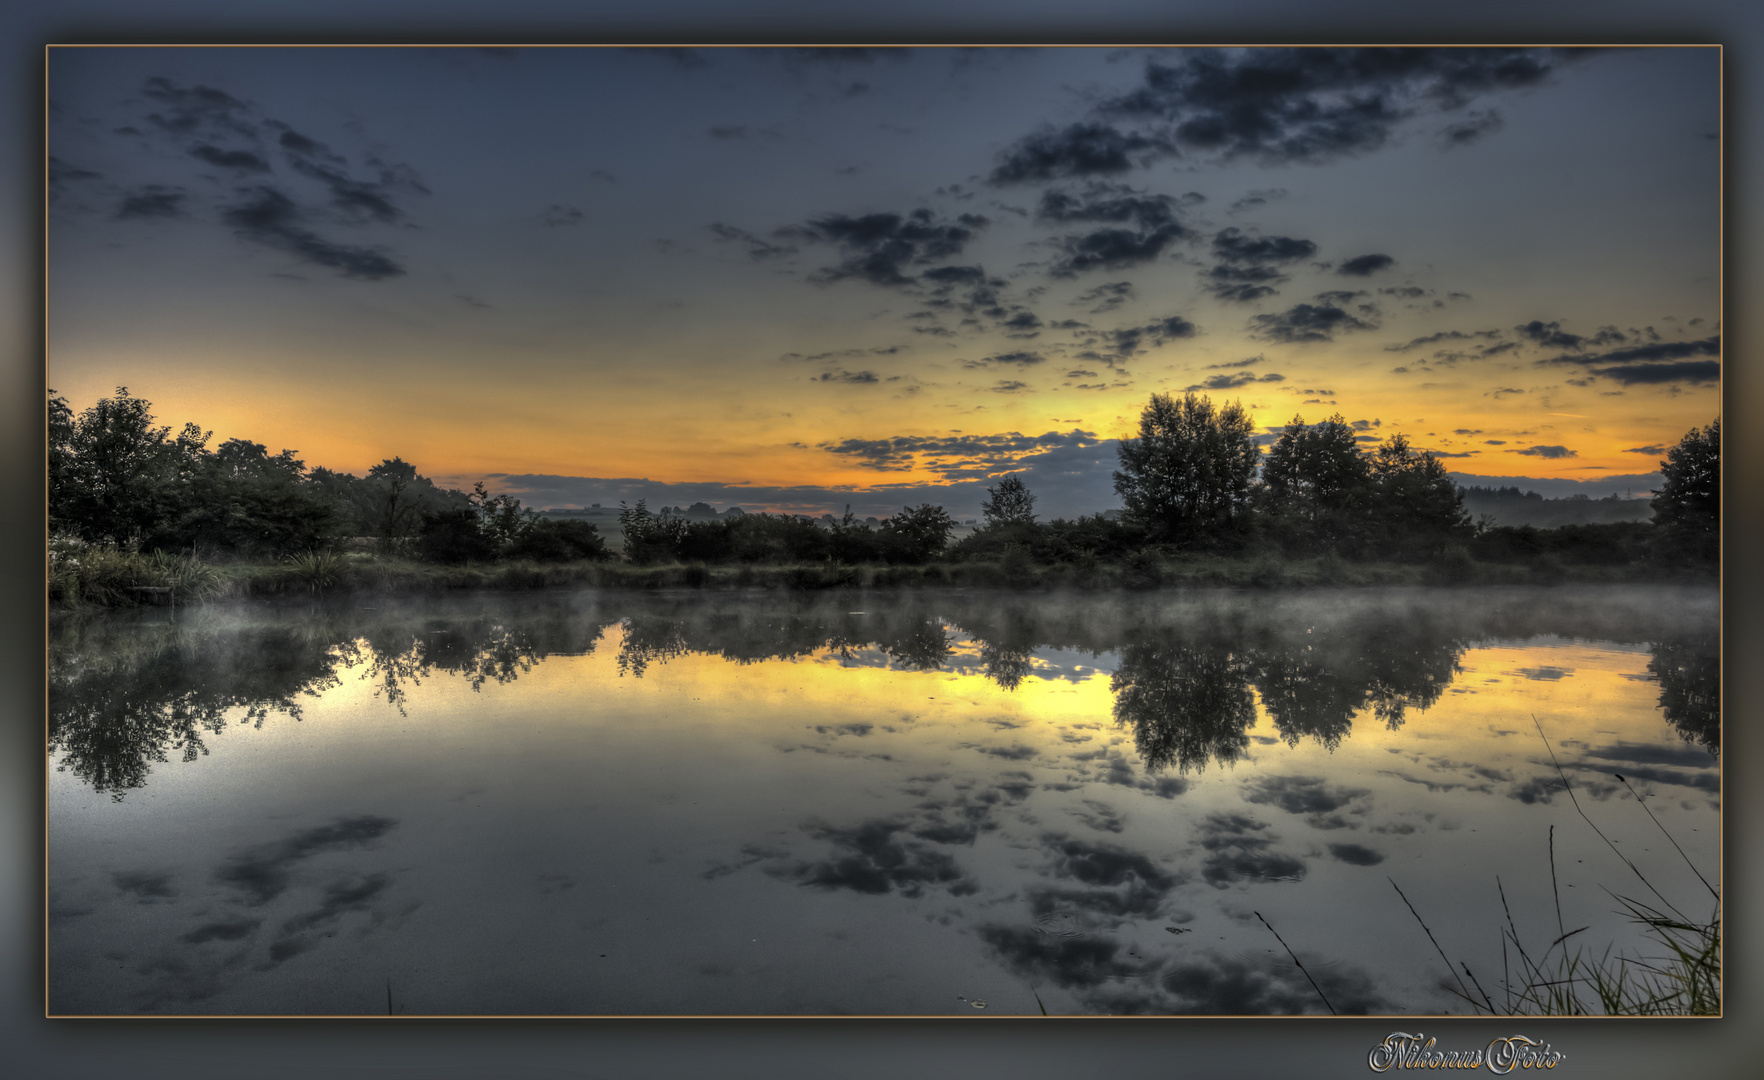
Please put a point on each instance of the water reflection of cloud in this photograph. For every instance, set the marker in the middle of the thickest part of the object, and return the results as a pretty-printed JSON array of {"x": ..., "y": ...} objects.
[
  {"x": 1237, "y": 851},
  {"x": 147, "y": 887},
  {"x": 868, "y": 858},
  {"x": 262, "y": 873},
  {"x": 1311, "y": 796},
  {"x": 1356, "y": 855},
  {"x": 1685, "y": 756},
  {"x": 1544, "y": 673}
]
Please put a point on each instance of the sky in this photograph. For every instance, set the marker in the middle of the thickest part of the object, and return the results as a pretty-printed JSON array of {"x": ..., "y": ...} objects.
[{"x": 795, "y": 279}]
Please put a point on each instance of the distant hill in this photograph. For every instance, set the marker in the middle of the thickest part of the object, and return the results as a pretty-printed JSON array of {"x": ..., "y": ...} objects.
[{"x": 1510, "y": 506}]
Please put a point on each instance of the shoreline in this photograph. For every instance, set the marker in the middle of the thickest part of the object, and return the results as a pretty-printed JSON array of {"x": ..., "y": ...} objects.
[{"x": 370, "y": 575}]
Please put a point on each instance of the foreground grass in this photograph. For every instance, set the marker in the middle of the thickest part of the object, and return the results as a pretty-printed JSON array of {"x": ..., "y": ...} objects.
[
  {"x": 105, "y": 577},
  {"x": 1680, "y": 977}
]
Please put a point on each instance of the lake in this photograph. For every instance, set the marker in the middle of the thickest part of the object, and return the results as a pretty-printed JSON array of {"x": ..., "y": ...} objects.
[{"x": 900, "y": 803}]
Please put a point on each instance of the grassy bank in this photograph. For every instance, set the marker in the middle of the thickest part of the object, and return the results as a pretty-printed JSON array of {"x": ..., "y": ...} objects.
[{"x": 106, "y": 577}]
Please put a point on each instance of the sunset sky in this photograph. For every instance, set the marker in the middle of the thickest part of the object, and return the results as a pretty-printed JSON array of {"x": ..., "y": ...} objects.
[{"x": 790, "y": 279}]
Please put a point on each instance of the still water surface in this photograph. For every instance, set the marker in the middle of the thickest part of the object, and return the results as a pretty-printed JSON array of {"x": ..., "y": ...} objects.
[{"x": 901, "y": 803}]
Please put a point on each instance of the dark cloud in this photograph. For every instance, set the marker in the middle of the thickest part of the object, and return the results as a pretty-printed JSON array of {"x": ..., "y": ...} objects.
[
  {"x": 356, "y": 198},
  {"x": 1365, "y": 265},
  {"x": 558, "y": 214},
  {"x": 1024, "y": 324},
  {"x": 1550, "y": 334},
  {"x": 1232, "y": 382},
  {"x": 1305, "y": 322},
  {"x": 1234, "y": 245},
  {"x": 1356, "y": 855},
  {"x": 293, "y": 142},
  {"x": 1255, "y": 199},
  {"x": 1470, "y": 129},
  {"x": 1106, "y": 297},
  {"x": 239, "y": 160},
  {"x": 270, "y": 218},
  {"x": 1443, "y": 335},
  {"x": 1338, "y": 297},
  {"x": 1109, "y": 203},
  {"x": 1078, "y": 150},
  {"x": 152, "y": 201},
  {"x": 1113, "y": 249},
  {"x": 263, "y": 873},
  {"x": 1697, "y": 371},
  {"x": 849, "y": 377},
  {"x": 1653, "y": 363},
  {"x": 993, "y": 452},
  {"x": 757, "y": 248},
  {"x": 1316, "y": 104},
  {"x": 1656, "y": 450},
  {"x": 1547, "y": 452},
  {"x": 1249, "y": 265},
  {"x": 187, "y": 110},
  {"x": 1122, "y": 342},
  {"x": 61, "y": 174},
  {"x": 1020, "y": 359},
  {"x": 880, "y": 245}
]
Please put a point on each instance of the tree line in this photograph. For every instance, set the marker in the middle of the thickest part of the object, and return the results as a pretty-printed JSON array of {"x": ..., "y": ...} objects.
[{"x": 1194, "y": 479}]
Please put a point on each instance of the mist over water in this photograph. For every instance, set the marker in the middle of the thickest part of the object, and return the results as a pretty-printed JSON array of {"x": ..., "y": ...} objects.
[{"x": 887, "y": 803}]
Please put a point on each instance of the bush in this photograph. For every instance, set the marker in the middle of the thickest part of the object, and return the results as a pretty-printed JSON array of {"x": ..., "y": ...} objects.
[
  {"x": 559, "y": 540},
  {"x": 455, "y": 536}
]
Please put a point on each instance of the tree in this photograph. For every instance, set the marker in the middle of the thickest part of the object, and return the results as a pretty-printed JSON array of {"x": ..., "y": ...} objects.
[
  {"x": 1687, "y": 508},
  {"x": 1010, "y": 503},
  {"x": 919, "y": 534},
  {"x": 1415, "y": 504},
  {"x": 116, "y": 476},
  {"x": 1187, "y": 476},
  {"x": 650, "y": 537},
  {"x": 1317, "y": 483}
]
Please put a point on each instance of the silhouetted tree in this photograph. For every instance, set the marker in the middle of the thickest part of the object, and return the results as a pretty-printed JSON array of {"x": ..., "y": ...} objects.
[
  {"x": 1009, "y": 503},
  {"x": 1687, "y": 508},
  {"x": 1415, "y": 505},
  {"x": 116, "y": 476},
  {"x": 1317, "y": 486},
  {"x": 918, "y": 533},
  {"x": 1187, "y": 476},
  {"x": 650, "y": 537}
]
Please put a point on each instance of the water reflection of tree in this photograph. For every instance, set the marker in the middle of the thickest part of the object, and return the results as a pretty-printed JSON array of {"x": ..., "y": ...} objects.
[
  {"x": 1187, "y": 702},
  {"x": 1316, "y": 684},
  {"x": 1689, "y": 673},
  {"x": 124, "y": 694},
  {"x": 121, "y": 701}
]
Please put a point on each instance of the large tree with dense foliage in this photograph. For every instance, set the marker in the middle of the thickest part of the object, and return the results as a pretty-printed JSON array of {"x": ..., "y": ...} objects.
[
  {"x": 1317, "y": 485},
  {"x": 1416, "y": 508},
  {"x": 1687, "y": 508},
  {"x": 1187, "y": 476}
]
